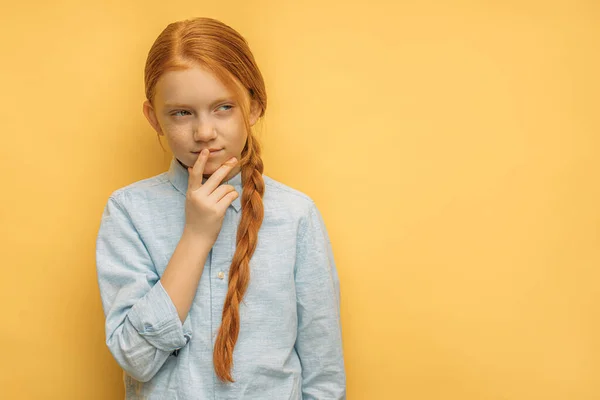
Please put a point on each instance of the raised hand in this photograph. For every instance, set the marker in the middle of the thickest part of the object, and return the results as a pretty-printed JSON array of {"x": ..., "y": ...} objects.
[{"x": 206, "y": 203}]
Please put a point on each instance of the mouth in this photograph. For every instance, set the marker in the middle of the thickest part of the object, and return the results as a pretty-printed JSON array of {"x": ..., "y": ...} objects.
[{"x": 212, "y": 151}]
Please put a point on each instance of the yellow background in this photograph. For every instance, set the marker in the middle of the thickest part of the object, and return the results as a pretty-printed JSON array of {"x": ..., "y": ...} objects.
[{"x": 452, "y": 147}]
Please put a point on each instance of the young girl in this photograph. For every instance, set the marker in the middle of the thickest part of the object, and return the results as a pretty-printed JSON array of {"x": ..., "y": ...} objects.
[{"x": 209, "y": 295}]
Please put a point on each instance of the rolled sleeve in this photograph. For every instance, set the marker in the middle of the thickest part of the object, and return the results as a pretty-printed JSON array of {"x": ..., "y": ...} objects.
[
  {"x": 319, "y": 338},
  {"x": 155, "y": 318},
  {"x": 142, "y": 324}
]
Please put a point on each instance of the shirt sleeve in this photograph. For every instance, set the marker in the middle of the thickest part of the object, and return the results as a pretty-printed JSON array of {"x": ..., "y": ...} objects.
[
  {"x": 142, "y": 324},
  {"x": 319, "y": 338}
]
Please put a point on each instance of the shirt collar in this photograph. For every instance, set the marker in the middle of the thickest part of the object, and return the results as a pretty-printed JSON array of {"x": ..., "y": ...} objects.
[{"x": 178, "y": 176}]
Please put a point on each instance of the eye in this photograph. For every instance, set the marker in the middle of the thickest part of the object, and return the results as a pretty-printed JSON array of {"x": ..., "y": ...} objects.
[
  {"x": 177, "y": 113},
  {"x": 226, "y": 105}
]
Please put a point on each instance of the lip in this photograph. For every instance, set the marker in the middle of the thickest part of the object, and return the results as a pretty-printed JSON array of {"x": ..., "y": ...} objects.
[{"x": 212, "y": 151}]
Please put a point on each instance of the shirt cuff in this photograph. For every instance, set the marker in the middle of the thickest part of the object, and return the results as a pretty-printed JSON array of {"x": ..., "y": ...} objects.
[{"x": 155, "y": 318}]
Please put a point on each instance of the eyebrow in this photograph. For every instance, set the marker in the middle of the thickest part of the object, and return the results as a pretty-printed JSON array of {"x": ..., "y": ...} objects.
[{"x": 179, "y": 105}]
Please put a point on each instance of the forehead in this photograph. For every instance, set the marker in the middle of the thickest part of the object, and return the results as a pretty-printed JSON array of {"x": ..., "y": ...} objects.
[{"x": 192, "y": 85}]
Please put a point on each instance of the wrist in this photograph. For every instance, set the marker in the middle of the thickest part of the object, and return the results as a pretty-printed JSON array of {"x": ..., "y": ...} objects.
[{"x": 196, "y": 241}]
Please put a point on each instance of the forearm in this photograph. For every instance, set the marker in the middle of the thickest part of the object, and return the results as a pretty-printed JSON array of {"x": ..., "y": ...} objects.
[{"x": 183, "y": 272}]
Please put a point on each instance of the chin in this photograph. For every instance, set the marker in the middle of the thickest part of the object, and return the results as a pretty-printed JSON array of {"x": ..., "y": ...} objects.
[{"x": 208, "y": 170}]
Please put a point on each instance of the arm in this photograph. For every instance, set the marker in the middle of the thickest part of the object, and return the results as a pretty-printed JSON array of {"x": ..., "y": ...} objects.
[
  {"x": 143, "y": 324},
  {"x": 182, "y": 275},
  {"x": 319, "y": 339}
]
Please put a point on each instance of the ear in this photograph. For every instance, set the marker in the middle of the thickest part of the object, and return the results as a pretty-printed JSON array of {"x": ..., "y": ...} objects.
[
  {"x": 254, "y": 112},
  {"x": 150, "y": 114}
]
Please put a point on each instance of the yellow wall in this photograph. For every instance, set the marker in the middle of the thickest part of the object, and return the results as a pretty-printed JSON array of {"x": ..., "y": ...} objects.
[{"x": 452, "y": 147}]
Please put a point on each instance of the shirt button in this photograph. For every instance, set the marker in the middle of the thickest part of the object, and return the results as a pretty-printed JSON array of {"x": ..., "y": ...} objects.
[{"x": 221, "y": 274}]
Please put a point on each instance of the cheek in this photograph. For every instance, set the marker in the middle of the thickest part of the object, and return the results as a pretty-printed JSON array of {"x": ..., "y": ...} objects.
[
  {"x": 233, "y": 129},
  {"x": 172, "y": 126},
  {"x": 176, "y": 134},
  {"x": 175, "y": 127}
]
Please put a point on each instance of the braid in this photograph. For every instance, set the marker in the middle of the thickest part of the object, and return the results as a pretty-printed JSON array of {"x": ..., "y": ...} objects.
[{"x": 239, "y": 272}]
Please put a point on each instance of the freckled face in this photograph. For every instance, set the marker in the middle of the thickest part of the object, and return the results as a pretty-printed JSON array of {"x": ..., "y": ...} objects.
[{"x": 194, "y": 111}]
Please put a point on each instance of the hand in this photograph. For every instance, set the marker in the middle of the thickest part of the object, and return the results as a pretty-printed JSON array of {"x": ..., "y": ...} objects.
[{"x": 206, "y": 204}]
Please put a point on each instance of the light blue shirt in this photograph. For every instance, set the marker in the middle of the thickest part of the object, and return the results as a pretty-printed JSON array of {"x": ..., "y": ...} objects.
[{"x": 290, "y": 341}]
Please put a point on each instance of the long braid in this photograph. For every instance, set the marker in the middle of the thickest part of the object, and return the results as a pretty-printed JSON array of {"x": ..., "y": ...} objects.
[{"x": 239, "y": 272}]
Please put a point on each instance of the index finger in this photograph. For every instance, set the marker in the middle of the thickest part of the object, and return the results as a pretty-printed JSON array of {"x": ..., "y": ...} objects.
[
  {"x": 195, "y": 178},
  {"x": 215, "y": 179}
]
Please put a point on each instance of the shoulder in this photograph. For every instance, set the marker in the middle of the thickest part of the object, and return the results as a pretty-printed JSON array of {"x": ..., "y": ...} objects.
[
  {"x": 150, "y": 184},
  {"x": 280, "y": 195},
  {"x": 152, "y": 189},
  {"x": 288, "y": 205}
]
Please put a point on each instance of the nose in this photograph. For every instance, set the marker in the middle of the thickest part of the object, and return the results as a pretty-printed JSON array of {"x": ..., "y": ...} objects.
[{"x": 204, "y": 131}]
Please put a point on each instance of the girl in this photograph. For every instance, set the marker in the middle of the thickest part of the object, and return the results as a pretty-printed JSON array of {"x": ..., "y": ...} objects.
[{"x": 206, "y": 295}]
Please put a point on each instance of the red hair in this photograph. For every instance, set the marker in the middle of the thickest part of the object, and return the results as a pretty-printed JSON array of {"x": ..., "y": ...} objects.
[{"x": 222, "y": 50}]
